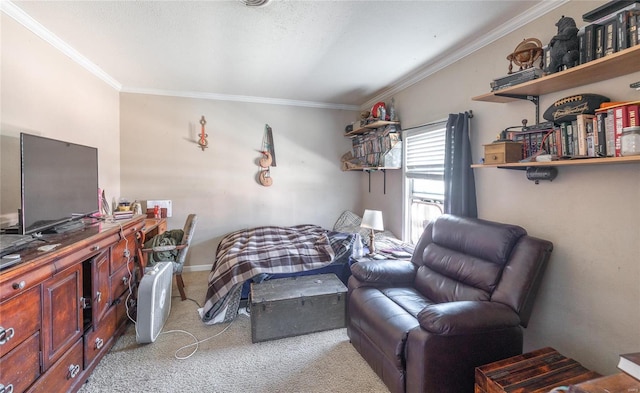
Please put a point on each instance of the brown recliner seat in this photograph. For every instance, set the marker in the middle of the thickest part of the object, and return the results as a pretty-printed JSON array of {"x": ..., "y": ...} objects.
[{"x": 461, "y": 302}]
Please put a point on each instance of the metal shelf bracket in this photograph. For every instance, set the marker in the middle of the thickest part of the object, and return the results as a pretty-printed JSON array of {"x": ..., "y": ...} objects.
[{"x": 531, "y": 98}]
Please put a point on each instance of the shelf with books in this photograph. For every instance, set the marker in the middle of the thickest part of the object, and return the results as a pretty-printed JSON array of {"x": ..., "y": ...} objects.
[
  {"x": 569, "y": 162},
  {"x": 617, "y": 64}
]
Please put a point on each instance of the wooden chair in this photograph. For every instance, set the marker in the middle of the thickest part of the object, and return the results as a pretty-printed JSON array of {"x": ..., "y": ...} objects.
[{"x": 182, "y": 247}]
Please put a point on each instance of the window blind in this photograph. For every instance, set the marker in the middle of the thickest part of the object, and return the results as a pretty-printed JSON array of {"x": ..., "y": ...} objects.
[{"x": 424, "y": 152}]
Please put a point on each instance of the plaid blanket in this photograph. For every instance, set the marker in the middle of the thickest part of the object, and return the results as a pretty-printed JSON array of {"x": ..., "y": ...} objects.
[{"x": 247, "y": 253}]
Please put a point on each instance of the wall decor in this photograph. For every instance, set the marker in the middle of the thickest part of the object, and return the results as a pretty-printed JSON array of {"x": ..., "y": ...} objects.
[
  {"x": 203, "y": 143},
  {"x": 268, "y": 158}
]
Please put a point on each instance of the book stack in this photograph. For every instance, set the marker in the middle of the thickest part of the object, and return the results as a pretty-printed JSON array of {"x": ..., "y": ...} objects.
[
  {"x": 630, "y": 364},
  {"x": 123, "y": 215},
  {"x": 614, "y": 27},
  {"x": 611, "y": 120},
  {"x": 537, "y": 139}
]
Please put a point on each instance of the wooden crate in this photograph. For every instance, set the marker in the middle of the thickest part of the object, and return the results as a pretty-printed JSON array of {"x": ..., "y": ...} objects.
[
  {"x": 293, "y": 306},
  {"x": 535, "y": 372}
]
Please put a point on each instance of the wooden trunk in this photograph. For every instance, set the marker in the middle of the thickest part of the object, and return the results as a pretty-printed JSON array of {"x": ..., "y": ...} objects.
[
  {"x": 535, "y": 372},
  {"x": 293, "y": 306}
]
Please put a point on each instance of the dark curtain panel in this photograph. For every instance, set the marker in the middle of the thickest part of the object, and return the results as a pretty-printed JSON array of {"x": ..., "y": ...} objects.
[{"x": 459, "y": 183}]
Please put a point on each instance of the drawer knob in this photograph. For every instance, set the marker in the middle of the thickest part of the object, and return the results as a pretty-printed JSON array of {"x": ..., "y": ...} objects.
[
  {"x": 95, "y": 248},
  {"x": 125, "y": 281},
  {"x": 6, "y": 389},
  {"x": 74, "y": 369},
  {"x": 99, "y": 343},
  {"x": 6, "y": 335},
  {"x": 18, "y": 285},
  {"x": 98, "y": 296}
]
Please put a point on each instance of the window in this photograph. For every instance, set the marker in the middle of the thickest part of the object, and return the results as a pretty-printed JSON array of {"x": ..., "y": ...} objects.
[{"x": 423, "y": 177}]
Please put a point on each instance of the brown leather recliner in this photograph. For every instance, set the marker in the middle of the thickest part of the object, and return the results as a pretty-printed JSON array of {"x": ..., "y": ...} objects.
[{"x": 461, "y": 302}]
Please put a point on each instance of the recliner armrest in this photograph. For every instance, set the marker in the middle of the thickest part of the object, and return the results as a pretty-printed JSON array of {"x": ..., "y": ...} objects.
[
  {"x": 384, "y": 271},
  {"x": 466, "y": 317}
]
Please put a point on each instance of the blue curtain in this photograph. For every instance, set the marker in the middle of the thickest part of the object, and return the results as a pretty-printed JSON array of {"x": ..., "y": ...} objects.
[{"x": 459, "y": 183}]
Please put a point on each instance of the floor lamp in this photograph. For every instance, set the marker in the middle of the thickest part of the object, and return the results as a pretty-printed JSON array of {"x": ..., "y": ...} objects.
[{"x": 372, "y": 219}]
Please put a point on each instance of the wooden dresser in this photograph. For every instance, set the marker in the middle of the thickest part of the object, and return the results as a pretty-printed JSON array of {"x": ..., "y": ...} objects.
[{"x": 61, "y": 310}]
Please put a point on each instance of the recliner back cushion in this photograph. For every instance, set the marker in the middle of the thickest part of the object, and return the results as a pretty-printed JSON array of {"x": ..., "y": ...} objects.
[
  {"x": 447, "y": 276},
  {"x": 482, "y": 239},
  {"x": 465, "y": 258}
]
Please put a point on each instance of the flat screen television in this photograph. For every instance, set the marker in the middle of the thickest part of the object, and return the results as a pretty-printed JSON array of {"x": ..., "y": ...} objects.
[{"x": 59, "y": 183}]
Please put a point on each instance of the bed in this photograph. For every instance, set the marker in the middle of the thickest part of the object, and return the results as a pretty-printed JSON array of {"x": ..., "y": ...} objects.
[{"x": 267, "y": 252}]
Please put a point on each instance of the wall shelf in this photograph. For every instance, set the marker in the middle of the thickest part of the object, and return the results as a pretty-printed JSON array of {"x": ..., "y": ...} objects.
[
  {"x": 571, "y": 162},
  {"x": 369, "y": 127},
  {"x": 620, "y": 63}
]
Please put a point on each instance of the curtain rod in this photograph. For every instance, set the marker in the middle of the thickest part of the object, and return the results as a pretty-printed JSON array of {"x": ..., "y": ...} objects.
[{"x": 434, "y": 122}]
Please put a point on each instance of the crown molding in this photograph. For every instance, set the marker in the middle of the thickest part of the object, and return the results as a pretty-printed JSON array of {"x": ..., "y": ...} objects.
[
  {"x": 510, "y": 26},
  {"x": 35, "y": 27},
  {"x": 31, "y": 24},
  {"x": 238, "y": 98}
]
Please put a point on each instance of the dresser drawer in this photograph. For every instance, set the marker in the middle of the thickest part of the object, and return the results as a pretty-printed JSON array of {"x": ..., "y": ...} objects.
[
  {"x": 123, "y": 252},
  {"x": 63, "y": 374},
  {"x": 121, "y": 279},
  {"x": 97, "y": 341},
  {"x": 21, "y": 317},
  {"x": 20, "y": 367},
  {"x": 15, "y": 284},
  {"x": 86, "y": 252}
]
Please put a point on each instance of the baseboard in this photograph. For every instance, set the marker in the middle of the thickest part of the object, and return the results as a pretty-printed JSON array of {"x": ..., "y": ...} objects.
[{"x": 196, "y": 268}]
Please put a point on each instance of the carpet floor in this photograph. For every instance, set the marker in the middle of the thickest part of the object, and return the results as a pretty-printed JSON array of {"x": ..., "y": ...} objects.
[{"x": 227, "y": 361}]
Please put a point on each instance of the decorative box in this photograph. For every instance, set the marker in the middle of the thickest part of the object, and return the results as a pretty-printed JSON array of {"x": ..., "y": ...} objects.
[{"x": 502, "y": 152}]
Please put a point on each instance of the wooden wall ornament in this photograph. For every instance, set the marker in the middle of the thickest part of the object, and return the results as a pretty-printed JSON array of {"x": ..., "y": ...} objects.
[
  {"x": 265, "y": 177},
  {"x": 203, "y": 143},
  {"x": 268, "y": 158}
]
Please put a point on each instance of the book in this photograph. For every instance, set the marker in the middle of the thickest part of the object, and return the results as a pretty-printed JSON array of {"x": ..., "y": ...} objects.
[
  {"x": 610, "y": 134},
  {"x": 589, "y": 43},
  {"x": 634, "y": 115},
  {"x": 584, "y": 123},
  {"x": 598, "y": 42},
  {"x": 601, "y": 145},
  {"x": 633, "y": 28},
  {"x": 610, "y": 37},
  {"x": 620, "y": 121},
  {"x": 630, "y": 364}
]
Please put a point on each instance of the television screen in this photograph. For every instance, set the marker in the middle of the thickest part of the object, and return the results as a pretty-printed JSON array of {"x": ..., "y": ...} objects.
[{"x": 59, "y": 182}]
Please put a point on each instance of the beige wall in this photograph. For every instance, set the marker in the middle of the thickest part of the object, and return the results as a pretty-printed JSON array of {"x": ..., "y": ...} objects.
[
  {"x": 161, "y": 160},
  {"x": 46, "y": 93},
  {"x": 589, "y": 303}
]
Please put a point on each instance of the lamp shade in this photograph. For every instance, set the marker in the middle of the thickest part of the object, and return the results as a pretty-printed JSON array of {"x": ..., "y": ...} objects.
[{"x": 372, "y": 219}]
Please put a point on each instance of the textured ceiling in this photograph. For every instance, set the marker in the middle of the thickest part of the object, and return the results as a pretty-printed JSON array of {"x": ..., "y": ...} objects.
[{"x": 335, "y": 53}]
